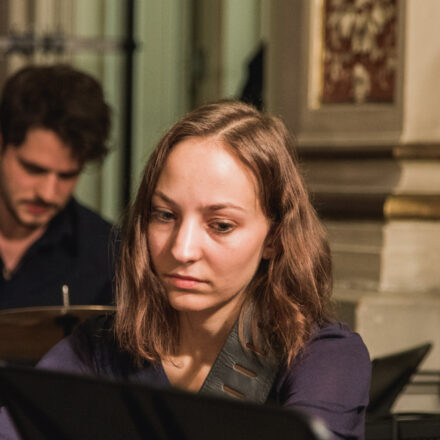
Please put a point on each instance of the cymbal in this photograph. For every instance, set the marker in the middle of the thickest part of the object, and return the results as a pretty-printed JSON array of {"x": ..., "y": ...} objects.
[{"x": 26, "y": 334}]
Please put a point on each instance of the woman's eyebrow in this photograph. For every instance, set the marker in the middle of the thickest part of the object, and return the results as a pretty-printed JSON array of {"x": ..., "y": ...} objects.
[
  {"x": 162, "y": 196},
  {"x": 165, "y": 199},
  {"x": 220, "y": 206},
  {"x": 213, "y": 207}
]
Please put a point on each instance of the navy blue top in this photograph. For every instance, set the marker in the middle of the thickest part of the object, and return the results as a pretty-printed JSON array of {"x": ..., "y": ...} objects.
[
  {"x": 330, "y": 379},
  {"x": 74, "y": 251}
]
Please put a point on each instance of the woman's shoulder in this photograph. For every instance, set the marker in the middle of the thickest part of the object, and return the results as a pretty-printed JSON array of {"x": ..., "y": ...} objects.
[
  {"x": 92, "y": 348},
  {"x": 336, "y": 335},
  {"x": 330, "y": 379},
  {"x": 334, "y": 345}
]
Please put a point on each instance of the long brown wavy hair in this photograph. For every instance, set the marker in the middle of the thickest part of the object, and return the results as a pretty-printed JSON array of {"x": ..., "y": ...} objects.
[{"x": 290, "y": 292}]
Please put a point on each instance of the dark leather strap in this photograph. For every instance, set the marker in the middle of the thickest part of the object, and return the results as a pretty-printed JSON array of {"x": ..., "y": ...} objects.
[{"x": 240, "y": 373}]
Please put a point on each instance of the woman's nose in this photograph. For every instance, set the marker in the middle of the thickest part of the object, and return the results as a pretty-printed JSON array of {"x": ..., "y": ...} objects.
[{"x": 186, "y": 246}]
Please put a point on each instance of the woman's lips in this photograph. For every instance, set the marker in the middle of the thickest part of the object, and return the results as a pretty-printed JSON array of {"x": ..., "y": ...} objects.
[{"x": 184, "y": 282}]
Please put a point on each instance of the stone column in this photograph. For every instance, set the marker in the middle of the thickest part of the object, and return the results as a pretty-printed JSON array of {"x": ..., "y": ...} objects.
[{"x": 357, "y": 84}]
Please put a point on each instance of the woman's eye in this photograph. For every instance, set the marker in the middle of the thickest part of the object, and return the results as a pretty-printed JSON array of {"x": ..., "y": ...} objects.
[
  {"x": 222, "y": 227},
  {"x": 162, "y": 215}
]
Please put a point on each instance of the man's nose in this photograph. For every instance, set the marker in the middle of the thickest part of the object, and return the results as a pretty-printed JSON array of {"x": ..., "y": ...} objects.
[
  {"x": 48, "y": 188},
  {"x": 186, "y": 245}
]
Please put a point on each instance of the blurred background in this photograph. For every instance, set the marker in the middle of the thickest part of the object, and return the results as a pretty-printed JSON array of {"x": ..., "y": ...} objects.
[{"x": 355, "y": 80}]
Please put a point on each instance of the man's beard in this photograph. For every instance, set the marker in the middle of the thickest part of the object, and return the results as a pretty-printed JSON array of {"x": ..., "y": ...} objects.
[{"x": 13, "y": 211}]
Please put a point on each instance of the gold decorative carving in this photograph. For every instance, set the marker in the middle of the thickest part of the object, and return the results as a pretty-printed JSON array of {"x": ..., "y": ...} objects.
[
  {"x": 343, "y": 206},
  {"x": 420, "y": 207},
  {"x": 417, "y": 151},
  {"x": 359, "y": 42}
]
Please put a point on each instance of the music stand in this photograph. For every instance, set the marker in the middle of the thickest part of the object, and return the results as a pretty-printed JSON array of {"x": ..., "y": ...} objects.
[
  {"x": 65, "y": 406},
  {"x": 390, "y": 374}
]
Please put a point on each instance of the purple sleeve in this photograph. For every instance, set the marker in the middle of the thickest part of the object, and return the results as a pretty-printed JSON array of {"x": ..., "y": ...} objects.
[
  {"x": 62, "y": 357},
  {"x": 7, "y": 429},
  {"x": 331, "y": 380}
]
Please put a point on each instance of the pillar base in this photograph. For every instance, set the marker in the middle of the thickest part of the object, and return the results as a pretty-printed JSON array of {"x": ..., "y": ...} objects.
[{"x": 387, "y": 320}]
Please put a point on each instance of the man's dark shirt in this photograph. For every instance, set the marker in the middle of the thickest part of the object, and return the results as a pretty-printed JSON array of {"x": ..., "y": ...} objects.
[{"x": 75, "y": 251}]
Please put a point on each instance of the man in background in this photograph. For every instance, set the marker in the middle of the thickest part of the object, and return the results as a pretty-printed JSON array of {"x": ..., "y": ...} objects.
[{"x": 53, "y": 120}]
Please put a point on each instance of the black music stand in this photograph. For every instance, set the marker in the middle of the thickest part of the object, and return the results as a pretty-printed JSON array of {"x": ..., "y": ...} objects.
[
  {"x": 53, "y": 405},
  {"x": 390, "y": 375}
]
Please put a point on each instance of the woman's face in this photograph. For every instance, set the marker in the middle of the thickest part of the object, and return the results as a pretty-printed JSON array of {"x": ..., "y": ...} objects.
[{"x": 207, "y": 230}]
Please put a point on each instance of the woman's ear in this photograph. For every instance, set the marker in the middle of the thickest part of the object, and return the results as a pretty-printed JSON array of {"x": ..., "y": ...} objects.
[
  {"x": 268, "y": 251},
  {"x": 269, "y": 247}
]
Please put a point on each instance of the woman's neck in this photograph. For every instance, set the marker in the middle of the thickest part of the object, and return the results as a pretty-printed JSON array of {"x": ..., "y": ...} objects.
[{"x": 202, "y": 335}]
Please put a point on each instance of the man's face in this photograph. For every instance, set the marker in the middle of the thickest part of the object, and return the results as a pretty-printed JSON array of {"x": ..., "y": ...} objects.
[{"x": 37, "y": 178}]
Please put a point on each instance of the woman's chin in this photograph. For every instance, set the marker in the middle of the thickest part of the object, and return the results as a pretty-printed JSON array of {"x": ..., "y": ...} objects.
[
  {"x": 189, "y": 302},
  {"x": 202, "y": 303}
]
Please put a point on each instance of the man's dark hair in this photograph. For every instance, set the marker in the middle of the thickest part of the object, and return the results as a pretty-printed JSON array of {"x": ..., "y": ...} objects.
[{"x": 58, "y": 98}]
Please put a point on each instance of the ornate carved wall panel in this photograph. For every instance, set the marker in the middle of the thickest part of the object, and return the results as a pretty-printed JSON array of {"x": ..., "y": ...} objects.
[{"x": 359, "y": 51}]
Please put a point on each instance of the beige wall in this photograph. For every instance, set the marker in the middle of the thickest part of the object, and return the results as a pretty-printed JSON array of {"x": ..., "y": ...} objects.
[{"x": 374, "y": 170}]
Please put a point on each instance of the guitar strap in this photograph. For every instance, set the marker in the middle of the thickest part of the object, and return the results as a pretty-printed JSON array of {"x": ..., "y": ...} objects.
[{"x": 239, "y": 372}]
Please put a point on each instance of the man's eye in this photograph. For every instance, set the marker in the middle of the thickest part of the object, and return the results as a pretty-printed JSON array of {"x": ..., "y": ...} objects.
[
  {"x": 32, "y": 169},
  {"x": 221, "y": 227},
  {"x": 69, "y": 176}
]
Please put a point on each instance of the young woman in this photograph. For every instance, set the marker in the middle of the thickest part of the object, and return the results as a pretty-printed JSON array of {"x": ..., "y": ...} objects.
[{"x": 222, "y": 232}]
